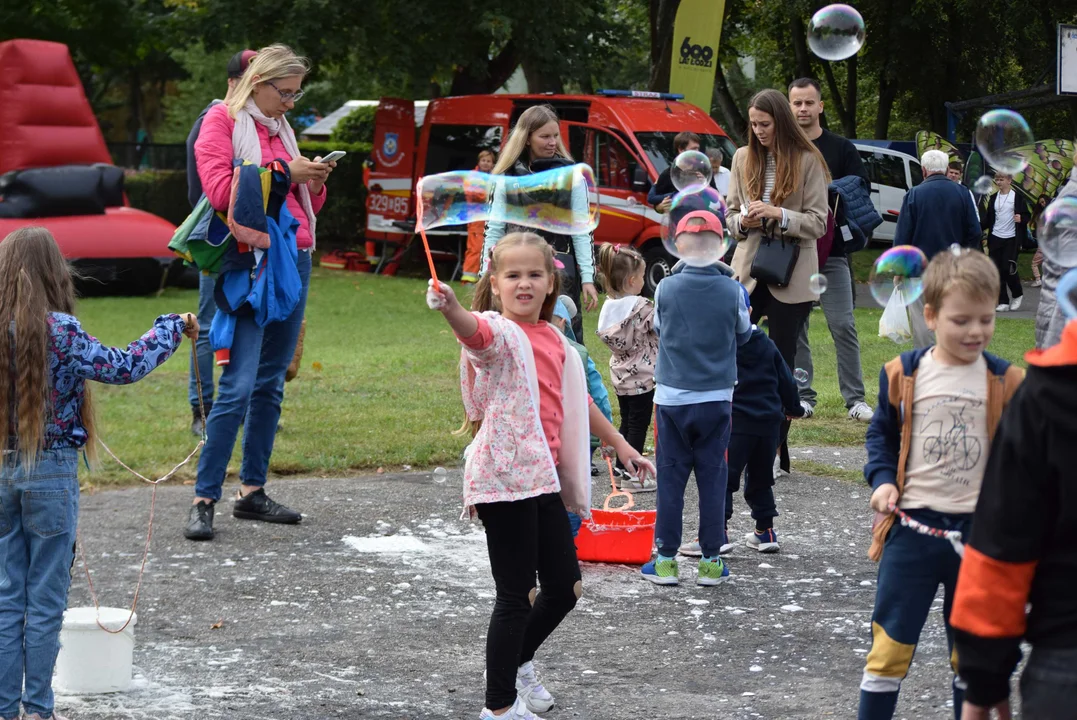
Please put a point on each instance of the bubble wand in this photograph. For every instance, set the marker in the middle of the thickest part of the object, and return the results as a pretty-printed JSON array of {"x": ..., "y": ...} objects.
[{"x": 422, "y": 234}]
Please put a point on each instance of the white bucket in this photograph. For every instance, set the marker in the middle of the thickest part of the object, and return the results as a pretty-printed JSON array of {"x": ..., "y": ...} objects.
[{"x": 92, "y": 660}]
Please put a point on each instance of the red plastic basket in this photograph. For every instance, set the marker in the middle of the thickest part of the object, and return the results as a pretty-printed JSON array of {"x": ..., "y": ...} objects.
[{"x": 613, "y": 536}]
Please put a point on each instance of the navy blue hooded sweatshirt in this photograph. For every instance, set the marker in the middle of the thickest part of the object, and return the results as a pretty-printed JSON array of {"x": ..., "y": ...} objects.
[{"x": 765, "y": 391}]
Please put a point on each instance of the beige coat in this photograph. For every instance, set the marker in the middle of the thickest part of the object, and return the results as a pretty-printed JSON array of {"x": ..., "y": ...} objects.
[{"x": 806, "y": 209}]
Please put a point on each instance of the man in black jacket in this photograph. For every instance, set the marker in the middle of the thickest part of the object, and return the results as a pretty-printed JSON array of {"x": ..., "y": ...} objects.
[
  {"x": 661, "y": 195},
  {"x": 842, "y": 159},
  {"x": 207, "y": 308}
]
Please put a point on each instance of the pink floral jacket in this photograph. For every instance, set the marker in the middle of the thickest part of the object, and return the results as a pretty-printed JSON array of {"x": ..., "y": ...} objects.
[{"x": 509, "y": 458}]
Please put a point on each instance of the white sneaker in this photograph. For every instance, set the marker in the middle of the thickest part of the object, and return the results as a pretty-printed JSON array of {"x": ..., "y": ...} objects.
[
  {"x": 518, "y": 711},
  {"x": 1016, "y": 304},
  {"x": 778, "y": 472},
  {"x": 808, "y": 409},
  {"x": 862, "y": 412},
  {"x": 634, "y": 484},
  {"x": 765, "y": 543},
  {"x": 691, "y": 549},
  {"x": 1002, "y": 308},
  {"x": 534, "y": 696}
]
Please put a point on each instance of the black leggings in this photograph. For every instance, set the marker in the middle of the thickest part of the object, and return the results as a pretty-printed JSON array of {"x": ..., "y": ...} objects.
[
  {"x": 784, "y": 321},
  {"x": 525, "y": 537},
  {"x": 1003, "y": 251},
  {"x": 636, "y": 413}
]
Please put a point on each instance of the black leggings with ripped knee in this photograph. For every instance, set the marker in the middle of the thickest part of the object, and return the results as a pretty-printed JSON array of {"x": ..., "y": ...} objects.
[{"x": 526, "y": 538}]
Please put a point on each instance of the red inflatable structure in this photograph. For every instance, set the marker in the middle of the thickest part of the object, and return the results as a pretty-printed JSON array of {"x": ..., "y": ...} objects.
[{"x": 55, "y": 169}]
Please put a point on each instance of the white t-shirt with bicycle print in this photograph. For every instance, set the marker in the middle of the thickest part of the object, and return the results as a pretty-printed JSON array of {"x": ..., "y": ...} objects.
[{"x": 948, "y": 449}]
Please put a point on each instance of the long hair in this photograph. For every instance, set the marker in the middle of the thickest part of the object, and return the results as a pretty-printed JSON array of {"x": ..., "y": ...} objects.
[
  {"x": 271, "y": 63},
  {"x": 788, "y": 145},
  {"x": 484, "y": 298},
  {"x": 531, "y": 120},
  {"x": 34, "y": 281},
  {"x": 618, "y": 263}
]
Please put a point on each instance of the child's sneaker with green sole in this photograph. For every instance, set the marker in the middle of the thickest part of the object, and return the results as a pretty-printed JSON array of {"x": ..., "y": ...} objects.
[
  {"x": 660, "y": 571},
  {"x": 712, "y": 572}
]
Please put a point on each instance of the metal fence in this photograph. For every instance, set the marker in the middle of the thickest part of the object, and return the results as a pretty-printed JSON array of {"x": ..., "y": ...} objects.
[{"x": 149, "y": 156}]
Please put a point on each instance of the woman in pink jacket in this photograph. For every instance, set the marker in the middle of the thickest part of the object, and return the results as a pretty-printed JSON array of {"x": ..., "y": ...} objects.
[{"x": 252, "y": 126}]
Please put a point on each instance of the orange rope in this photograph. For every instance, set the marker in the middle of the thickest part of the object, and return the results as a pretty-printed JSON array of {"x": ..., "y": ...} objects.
[{"x": 153, "y": 505}]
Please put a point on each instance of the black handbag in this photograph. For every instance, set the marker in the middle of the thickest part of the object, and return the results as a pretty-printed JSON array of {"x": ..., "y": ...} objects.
[{"x": 775, "y": 260}]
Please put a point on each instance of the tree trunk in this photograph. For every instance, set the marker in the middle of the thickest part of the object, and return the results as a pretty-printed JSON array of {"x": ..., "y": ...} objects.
[
  {"x": 887, "y": 95},
  {"x": 663, "y": 13},
  {"x": 835, "y": 92},
  {"x": 539, "y": 80},
  {"x": 799, "y": 35},
  {"x": 134, "y": 105},
  {"x": 851, "y": 96},
  {"x": 468, "y": 80},
  {"x": 735, "y": 124}
]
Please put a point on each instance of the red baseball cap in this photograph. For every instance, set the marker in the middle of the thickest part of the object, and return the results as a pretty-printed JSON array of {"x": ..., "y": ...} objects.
[
  {"x": 239, "y": 63},
  {"x": 710, "y": 223}
]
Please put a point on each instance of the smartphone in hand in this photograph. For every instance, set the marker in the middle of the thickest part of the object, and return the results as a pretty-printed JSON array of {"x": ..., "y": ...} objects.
[{"x": 335, "y": 155}]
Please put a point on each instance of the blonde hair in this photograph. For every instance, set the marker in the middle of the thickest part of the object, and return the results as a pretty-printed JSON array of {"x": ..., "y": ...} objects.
[
  {"x": 962, "y": 270},
  {"x": 487, "y": 153},
  {"x": 618, "y": 263},
  {"x": 34, "y": 281},
  {"x": 531, "y": 120},
  {"x": 271, "y": 63}
]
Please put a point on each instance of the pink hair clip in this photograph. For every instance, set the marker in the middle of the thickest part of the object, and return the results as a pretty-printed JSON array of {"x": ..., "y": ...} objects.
[{"x": 558, "y": 264}]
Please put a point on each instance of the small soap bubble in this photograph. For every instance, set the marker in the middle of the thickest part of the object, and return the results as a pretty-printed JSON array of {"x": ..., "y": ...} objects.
[
  {"x": 561, "y": 200},
  {"x": 955, "y": 250},
  {"x": 702, "y": 247},
  {"x": 1058, "y": 232},
  {"x": 984, "y": 185},
  {"x": 440, "y": 475},
  {"x": 1066, "y": 293},
  {"x": 836, "y": 32},
  {"x": 899, "y": 268},
  {"x": 801, "y": 376},
  {"x": 817, "y": 283},
  {"x": 1000, "y": 135},
  {"x": 691, "y": 171}
]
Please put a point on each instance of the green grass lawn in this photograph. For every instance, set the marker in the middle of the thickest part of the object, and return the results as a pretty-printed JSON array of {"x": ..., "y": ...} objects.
[{"x": 379, "y": 384}]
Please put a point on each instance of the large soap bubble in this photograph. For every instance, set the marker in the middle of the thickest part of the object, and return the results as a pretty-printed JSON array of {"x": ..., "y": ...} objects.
[
  {"x": 697, "y": 249},
  {"x": 561, "y": 200},
  {"x": 1057, "y": 234},
  {"x": 1066, "y": 294},
  {"x": 900, "y": 268},
  {"x": 691, "y": 171},
  {"x": 836, "y": 32},
  {"x": 1000, "y": 135},
  {"x": 984, "y": 185}
]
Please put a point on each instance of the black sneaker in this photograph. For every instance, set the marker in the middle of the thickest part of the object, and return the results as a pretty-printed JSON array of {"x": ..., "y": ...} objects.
[
  {"x": 259, "y": 506},
  {"x": 200, "y": 522}
]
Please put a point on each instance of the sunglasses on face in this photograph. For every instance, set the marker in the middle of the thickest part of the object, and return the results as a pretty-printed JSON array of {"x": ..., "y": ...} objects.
[{"x": 287, "y": 96}]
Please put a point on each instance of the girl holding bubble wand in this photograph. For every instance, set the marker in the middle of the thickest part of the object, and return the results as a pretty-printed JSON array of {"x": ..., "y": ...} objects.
[
  {"x": 535, "y": 145},
  {"x": 47, "y": 417},
  {"x": 524, "y": 393}
]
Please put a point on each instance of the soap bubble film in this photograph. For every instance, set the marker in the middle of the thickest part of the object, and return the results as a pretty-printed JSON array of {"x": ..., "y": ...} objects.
[
  {"x": 561, "y": 200},
  {"x": 1000, "y": 137},
  {"x": 691, "y": 171},
  {"x": 899, "y": 268},
  {"x": 706, "y": 248},
  {"x": 1057, "y": 233},
  {"x": 817, "y": 283},
  {"x": 984, "y": 185},
  {"x": 836, "y": 32}
]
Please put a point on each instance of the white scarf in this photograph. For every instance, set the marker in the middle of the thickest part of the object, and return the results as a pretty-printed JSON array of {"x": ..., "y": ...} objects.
[{"x": 246, "y": 145}]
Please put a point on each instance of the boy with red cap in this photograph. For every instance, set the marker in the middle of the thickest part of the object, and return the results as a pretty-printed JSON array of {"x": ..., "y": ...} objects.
[{"x": 701, "y": 317}]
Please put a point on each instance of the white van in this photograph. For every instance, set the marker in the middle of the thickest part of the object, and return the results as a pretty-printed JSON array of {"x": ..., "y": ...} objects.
[{"x": 891, "y": 174}]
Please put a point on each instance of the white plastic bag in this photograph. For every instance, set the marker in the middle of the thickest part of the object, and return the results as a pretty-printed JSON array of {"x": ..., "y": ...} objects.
[{"x": 894, "y": 323}]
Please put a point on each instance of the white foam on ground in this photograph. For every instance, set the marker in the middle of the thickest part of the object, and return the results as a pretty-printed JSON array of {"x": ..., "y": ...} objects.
[{"x": 387, "y": 544}]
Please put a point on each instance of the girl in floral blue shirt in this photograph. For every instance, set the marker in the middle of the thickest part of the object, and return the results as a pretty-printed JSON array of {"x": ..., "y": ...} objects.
[{"x": 46, "y": 417}]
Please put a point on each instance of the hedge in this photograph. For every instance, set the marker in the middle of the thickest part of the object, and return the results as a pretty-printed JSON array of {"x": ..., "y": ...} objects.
[
  {"x": 355, "y": 127},
  {"x": 340, "y": 223}
]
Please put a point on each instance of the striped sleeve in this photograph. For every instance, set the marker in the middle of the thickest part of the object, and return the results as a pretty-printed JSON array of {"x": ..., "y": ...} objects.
[{"x": 1010, "y": 527}]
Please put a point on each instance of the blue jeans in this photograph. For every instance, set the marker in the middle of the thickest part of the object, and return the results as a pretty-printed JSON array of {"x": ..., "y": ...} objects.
[
  {"x": 207, "y": 308},
  {"x": 38, "y": 516},
  {"x": 692, "y": 437},
  {"x": 910, "y": 572},
  {"x": 252, "y": 383}
]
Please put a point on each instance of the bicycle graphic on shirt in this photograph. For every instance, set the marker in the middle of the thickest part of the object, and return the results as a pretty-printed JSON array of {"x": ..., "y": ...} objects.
[{"x": 955, "y": 446}]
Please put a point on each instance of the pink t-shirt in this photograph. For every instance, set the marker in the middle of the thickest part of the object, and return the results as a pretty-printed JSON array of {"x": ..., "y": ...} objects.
[{"x": 549, "y": 353}]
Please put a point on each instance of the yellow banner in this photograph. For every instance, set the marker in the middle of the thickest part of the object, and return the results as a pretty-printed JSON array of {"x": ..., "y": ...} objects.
[{"x": 696, "y": 34}]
